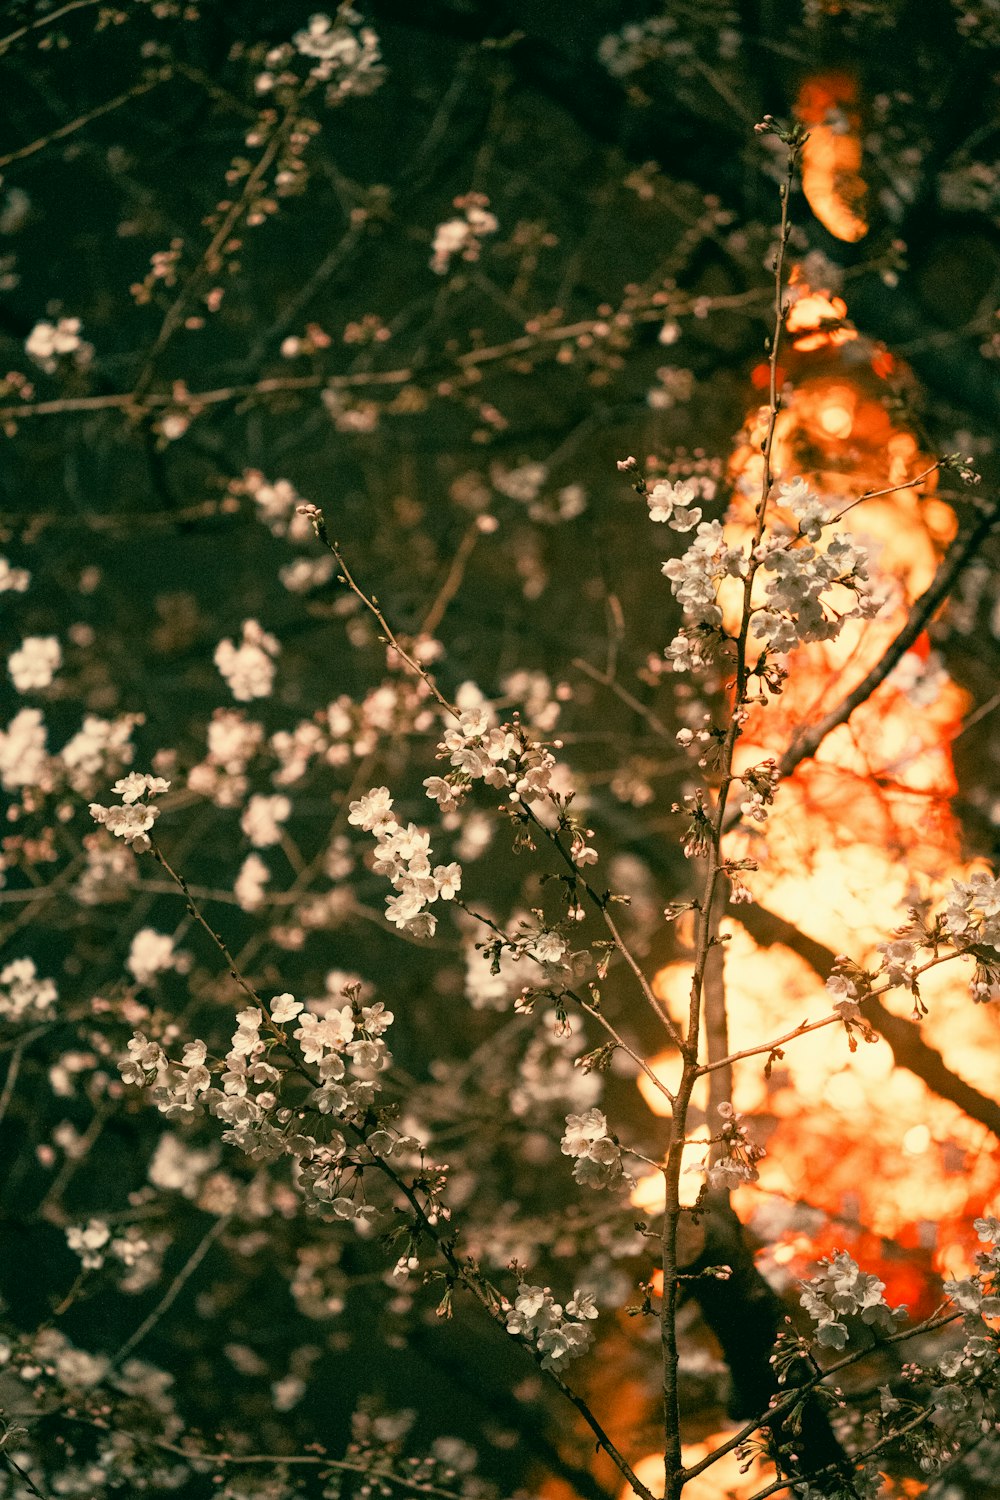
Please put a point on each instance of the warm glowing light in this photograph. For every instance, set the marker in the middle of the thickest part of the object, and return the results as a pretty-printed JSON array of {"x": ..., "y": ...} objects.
[
  {"x": 916, "y": 1140},
  {"x": 831, "y": 157},
  {"x": 664, "y": 1066},
  {"x": 814, "y": 318},
  {"x": 649, "y": 1194},
  {"x": 836, "y": 412},
  {"x": 855, "y": 835},
  {"x": 722, "y": 1479}
]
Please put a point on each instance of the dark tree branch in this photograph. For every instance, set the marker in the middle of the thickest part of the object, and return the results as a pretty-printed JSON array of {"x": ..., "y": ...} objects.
[{"x": 908, "y": 1046}]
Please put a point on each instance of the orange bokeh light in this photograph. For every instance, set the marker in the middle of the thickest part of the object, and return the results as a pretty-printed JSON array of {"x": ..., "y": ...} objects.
[{"x": 831, "y": 157}]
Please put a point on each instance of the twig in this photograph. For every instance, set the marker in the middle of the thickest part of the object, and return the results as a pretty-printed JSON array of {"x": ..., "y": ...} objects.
[
  {"x": 805, "y": 745},
  {"x": 217, "y": 939},
  {"x": 453, "y": 579},
  {"x": 371, "y": 603},
  {"x": 173, "y": 1291},
  {"x": 10, "y": 1081},
  {"x": 47, "y": 20},
  {"x": 210, "y": 255},
  {"x": 94, "y": 114},
  {"x": 22, "y": 1474},
  {"x": 606, "y": 680},
  {"x": 670, "y": 1353}
]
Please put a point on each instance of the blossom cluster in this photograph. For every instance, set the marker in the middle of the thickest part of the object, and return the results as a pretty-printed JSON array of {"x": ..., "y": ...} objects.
[
  {"x": 342, "y": 1050},
  {"x": 759, "y": 786},
  {"x": 842, "y": 1292},
  {"x": 739, "y": 1164},
  {"x": 462, "y": 236},
  {"x": 403, "y": 856},
  {"x": 13, "y": 580},
  {"x": 249, "y": 667},
  {"x": 674, "y": 504},
  {"x": 598, "y": 1157},
  {"x": 503, "y": 756},
  {"x": 48, "y": 343},
  {"x": 22, "y": 992},
  {"x": 973, "y": 911},
  {"x": 34, "y": 664},
  {"x": 131, "y": 819},
  {"x": 347, "y": 54},
  {"x": 694, "y": 582},
  {"x": 796, "y": 595},
  {"x": 93, "y": 1242},
  {"x": 977, "y": 1297},
  {"x": 796, "y": 606},
  {"x": 538, "y": 1318}
]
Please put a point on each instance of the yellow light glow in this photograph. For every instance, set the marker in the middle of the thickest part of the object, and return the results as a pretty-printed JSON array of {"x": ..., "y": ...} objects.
[
  {"x": 723, "y": 1479},
  {"x": 916, "y": 1140},
  {"x": 665, "y": 1067}
]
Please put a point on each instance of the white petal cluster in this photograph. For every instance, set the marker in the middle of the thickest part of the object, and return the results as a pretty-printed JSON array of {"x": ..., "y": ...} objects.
[
  {"x": 129, "y": 823},
  {"x": 598, "y": 1157},
  {"x": 23, "y": 758},
  {"x": 558, "y": 1334},
  {"x": 694, "y": 583},
  {"x": 35, "y": 663},
  {"x": 463, "y": 236},
  {"x": 343, "y": 1050},
  {"x": 973, "y": 911},
  {"x": 97, "y": 747},
  {"x": 249, "y": 885},
  {"x": 151, "y": 953},
  {"x": 93, "y": 1243},
  {"x": 674, "y": 504},
  {"x": 232, "y": 742},
  {"x": 843, "y": 1290},
  {"x": 132, "y": 819},
  {"x": 22, "y": 992},
  {"x": 348, "y": 55},
  {"x": 262, "y": 820},
  {"x": 798, "y": 603},
  {"x": 403, "y": 856},
  {"x": 503, "y": 756},
  {"x": 48, "y": 343},
  {"x": 795, "y": 609},
  {"x": 13, "y": 580},
  {"x": 277, "y": 505},
  {"x": 807, "y": 508},
  {"x": 249, "y": 667}
]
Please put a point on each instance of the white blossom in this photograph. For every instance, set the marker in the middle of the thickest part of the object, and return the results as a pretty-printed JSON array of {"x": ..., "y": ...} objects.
[
  {"x": 35, "y": 663},
  {"x": 47, "y": 343},
  {"x": 248, "y": 668}
]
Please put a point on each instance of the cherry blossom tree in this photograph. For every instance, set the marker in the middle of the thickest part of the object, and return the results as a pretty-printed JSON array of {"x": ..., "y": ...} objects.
[{"x": 495, "y": 992}]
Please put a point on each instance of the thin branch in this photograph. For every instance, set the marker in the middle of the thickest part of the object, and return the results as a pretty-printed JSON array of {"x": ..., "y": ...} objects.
[
  {"x": 904, "y": 1037},
  {"x": 453, "y": 579},
  {"x": 94, "y": 114},
  {"x": 217, "y": 939},
  {"x": 464, "y": 1273},
  {"x": 173, "y": 1290},
  {"x": 54, "y": 15},
  {"x": 10, "y": 1082},
  {"x": 805, "y": 745},
  {"x": 292, "y": 1460},
  {"x": 207, "y": 263},
  {"x": 795, "y": 1394},
  {"x": 606, "y": 680},
  {"x": 371, "y": 603}
]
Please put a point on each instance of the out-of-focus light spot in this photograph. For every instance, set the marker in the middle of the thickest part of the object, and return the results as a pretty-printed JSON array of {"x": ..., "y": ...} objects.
[
  {"x": 665, "y": 1067},
  {"x": 916, "y": 1140},
  {"x": 831, "y": 157}
]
